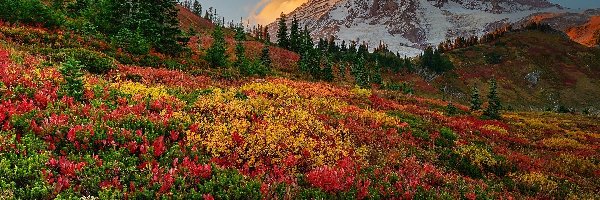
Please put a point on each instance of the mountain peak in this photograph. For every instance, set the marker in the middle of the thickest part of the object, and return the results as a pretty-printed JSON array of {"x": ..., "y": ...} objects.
[{"x": 407, "y": 26}]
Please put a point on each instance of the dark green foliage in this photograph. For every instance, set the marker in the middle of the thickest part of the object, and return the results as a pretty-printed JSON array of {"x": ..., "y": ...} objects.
[
  {"x": 21, "y": 173},
  {"x": 73, "y": 86},
  {"x": 295, "y": 37},
  {"x": 265, "y": 57},
  {"x": 451, "y": 110},
  {"x": 255, "y": 68},
  {"x": 461, "y": 164},
  {"x": 404, "y": 87},
  {"x": 132, "y": 42},
  {"x": 494, "y": 105},
  {"x": 216, "y": 54},
  {"x": 197, "y": 8},
  {"x": 375, "y": 75},
  {"x": 92, "y": 61},
  {"x": 493, "y": 58},
  {"x": 475, "y": 99},
  {"x": 327, "y": 72},
  {"x": 30, "y": 12},
  {"x": 434, "y": 60},
  {"x": 240, "y": 52},
  {"x": 359, "y": 71},
  {"x": 156, "y": 21},
  {"x": 230, "y": 184},
  {"x": 283, "y": 39},
  {"x": 446, "y": 139}
]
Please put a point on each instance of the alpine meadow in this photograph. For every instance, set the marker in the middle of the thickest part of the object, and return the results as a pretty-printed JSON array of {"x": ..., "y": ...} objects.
[{"x": 337, "y": 99}]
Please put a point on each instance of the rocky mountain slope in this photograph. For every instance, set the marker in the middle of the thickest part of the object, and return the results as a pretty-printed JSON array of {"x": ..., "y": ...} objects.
[
  {"x": 408, "y": 26},
  {"x": 581, "y": 27}
]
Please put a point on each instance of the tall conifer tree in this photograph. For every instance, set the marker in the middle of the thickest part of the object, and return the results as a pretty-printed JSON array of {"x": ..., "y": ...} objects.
[{"x": 283, "y": 39}]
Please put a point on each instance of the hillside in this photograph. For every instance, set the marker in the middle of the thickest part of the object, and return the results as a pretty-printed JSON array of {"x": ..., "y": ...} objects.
[
  {"x": 83, "y": 115},
  {"x": 535, "y": 69},
  {"x": 141, "y": 138},
  {"x": 587, "y": 34},
  {"x": 581, "y": 27}
]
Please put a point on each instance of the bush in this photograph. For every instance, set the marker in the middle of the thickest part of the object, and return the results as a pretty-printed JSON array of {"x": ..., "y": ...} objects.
[
  {"x": 21, "y": 173},
  {"x": 92, "y": 61},
  {"x": 451, "y": 110},
  {"x": 71, "y": 71},
  {"x": 30, "y": 12},
  {"x": 447, "y": 138},
  {"x": 132, "y": 42},
  {"x": 230, "y": 184},
  {"x": 254, "y": 68},
  {"x": 406, "y": 88},
  {"x": 493, "y": 58}
]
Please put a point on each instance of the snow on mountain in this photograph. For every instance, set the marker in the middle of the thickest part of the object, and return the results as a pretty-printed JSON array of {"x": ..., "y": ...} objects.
[{"x": 408, "y": 26}]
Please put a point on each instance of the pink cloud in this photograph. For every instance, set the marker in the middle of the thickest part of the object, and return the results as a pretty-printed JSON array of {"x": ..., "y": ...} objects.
[{"x": 267, "y": 11}]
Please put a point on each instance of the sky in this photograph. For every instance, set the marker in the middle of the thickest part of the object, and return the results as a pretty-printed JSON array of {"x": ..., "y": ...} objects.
[{"x": 266, "y": 11}]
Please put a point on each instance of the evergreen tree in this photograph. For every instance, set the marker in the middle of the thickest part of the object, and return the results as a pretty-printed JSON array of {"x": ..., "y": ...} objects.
[
  {"x": 376, "y": 74},
  {"x": 327, "y": 73},
  {"x": 265, "y": 57},
  {"x": 363, "y": 49},
  {"x": 156, "y": 21},
  {"x": 71, "y": 71},
  {"x": 434, "y": 60},
  {"x": 207, "y": 15},
  {"x": 322, "y": 45},
  {"x": 305, "y": 41},
  {"x": 475, "y": 99},
  {"x": 216, "y": 54},
  {"x": 494, "y": 106},
  {"x": 331, "y": 45},
  {"x": 359, "y": 72},
  {"x": 240, "y": 52},
  {"x": 283, "y": 39},
  {"x": 197, "y": 8},
  {"x": 165, "y": 30},
  {"x": 295, "y": 37}
]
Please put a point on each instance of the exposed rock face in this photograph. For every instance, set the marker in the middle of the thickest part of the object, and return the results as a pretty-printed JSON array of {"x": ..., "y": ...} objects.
[
  {"x": 407, "y": 26},
  {"x": 582, "y": 27}
]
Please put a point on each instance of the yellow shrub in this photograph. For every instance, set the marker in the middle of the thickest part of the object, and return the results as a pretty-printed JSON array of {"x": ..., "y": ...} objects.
[
  {"x": 288, "y": 125},
  {"x": 537, "y": 182},
  {"x": 562, "y": 143},
  {"x": 361, "y": 92},
  {"x": 570, "y": 164},
  {"x": 495, "y": 129},
  {"x": 478, "y": 156},
  {"x": 135, "y": 89}
]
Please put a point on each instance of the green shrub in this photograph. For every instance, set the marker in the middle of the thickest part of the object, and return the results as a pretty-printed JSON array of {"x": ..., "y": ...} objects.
[
  {"x": 404, "y": 87},
  {"x": 30, "y": 12},
  {"x": 150, "y": 61},
  {"x": 446, "y": 139},
  {"x": 254, "y": 68},
  {"x": 21, "y": 173},
  {"x": 71, "y": 71},
  {"x": 132, "y": 42},
  {"x": 451, "y": 110},
  {"x": 92, "y": 61},
  {"x": 230, "y": 184}
]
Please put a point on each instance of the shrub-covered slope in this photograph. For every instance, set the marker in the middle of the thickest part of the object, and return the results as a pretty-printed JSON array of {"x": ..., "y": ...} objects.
[
  {"x": 534, "y": 69},
  {"x": 139, "y": 132}
]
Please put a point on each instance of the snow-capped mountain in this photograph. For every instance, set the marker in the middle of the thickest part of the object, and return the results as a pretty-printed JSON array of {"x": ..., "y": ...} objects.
[{"x": 407, "y": 26}]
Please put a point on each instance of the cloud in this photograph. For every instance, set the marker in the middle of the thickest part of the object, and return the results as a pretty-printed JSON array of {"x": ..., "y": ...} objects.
[{"x": 266, "y": 11}]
